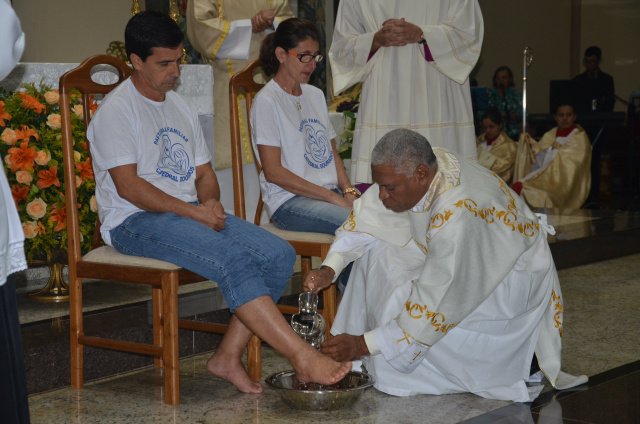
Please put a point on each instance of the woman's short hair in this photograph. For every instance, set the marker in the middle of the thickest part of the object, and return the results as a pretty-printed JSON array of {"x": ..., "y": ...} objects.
[
  {"x": 288, "y": 35},
  {"x": 500, "y": 69}
]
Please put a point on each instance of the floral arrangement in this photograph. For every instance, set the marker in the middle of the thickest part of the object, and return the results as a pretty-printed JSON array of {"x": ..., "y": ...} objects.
[
  {"x": 31, "y": 150},
  {"x": 347, "y": 102}
]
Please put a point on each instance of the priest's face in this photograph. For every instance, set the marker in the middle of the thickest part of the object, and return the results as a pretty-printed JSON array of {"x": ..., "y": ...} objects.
[
  {"x": 565, "y": 117},
  {"x": 399, "y": 192},
  {"x": 159, "y": 73}
]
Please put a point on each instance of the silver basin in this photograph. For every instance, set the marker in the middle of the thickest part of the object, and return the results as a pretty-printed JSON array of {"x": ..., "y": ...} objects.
[{"x": 317, "y": 397}]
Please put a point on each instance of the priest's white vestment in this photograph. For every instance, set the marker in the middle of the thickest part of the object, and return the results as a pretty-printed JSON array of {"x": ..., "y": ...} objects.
[
  {"x": 401, "y": 88},
  {"x": 469, "y": 279}
]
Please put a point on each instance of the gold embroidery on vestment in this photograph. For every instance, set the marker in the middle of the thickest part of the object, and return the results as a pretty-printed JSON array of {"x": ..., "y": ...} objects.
[
  {"x": 557, "y": 316},
  {"x": 350, "y": 223},
  {"x": 405, "y": 338}
]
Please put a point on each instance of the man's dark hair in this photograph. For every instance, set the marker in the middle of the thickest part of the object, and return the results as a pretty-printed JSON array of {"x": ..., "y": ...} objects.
[
  {"x": 288, "y": 35},
  {"x": 494, "y": 115},
  {"x": 565, "y": 102},
  {"x": 593, "y": 51},
  {"x": 150, "y": 29}
]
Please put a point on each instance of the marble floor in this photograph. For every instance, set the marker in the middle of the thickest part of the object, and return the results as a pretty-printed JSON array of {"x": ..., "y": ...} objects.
[{"x": 602, "y": 308}]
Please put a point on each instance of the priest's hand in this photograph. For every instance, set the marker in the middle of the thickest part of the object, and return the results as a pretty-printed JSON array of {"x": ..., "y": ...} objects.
[
  {"x": 262, "y": 20},
  {"x": 345, "y": 347},
  {"x": 318, "y": 279},
  {"x": 396, "y": 32}
]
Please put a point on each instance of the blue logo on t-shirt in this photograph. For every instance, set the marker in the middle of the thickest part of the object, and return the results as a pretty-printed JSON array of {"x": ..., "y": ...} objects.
[
  {"x": 318, "y": 153},
  {"x": 174, "y": 160}
]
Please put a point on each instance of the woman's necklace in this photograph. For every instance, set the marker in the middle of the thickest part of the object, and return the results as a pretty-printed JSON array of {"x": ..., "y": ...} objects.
[{"x": 293, "y": 97}]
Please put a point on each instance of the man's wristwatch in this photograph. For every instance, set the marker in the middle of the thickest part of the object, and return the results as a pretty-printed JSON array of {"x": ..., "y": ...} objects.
[{"x": 352, "y": 190}]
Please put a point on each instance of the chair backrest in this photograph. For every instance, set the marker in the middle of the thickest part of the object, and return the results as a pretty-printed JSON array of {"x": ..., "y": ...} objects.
[
  {"x": 242, "y": 83},
  {"x": 80, "y": 79}
]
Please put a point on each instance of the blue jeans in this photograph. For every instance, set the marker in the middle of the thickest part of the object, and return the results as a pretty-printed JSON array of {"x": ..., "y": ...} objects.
[
  {"x": 310, "y": 215},
  {"x": 244, "y": 260},
  {"x": 316, "y": 216}
]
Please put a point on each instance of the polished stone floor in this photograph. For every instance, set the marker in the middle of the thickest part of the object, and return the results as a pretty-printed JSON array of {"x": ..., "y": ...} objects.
[{"x": 602, "y": 309}]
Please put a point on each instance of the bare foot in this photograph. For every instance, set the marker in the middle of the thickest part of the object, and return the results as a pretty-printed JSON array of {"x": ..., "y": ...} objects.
[
  {"x": 232, "y": 370},
  {"x": 312, "y": 366}
]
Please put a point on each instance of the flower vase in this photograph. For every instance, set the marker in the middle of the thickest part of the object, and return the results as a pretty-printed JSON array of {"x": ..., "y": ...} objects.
[
  {"x": 56, "y": 289},
  {"x": 308, "y": 323}
]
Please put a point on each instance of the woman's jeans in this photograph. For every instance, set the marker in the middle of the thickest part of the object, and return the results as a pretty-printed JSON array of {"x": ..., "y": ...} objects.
[
  {"x": 244, "y": 260},
  {"x": 315, "y": 216}
]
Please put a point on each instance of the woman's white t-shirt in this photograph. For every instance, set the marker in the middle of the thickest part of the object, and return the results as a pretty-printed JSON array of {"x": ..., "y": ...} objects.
[{"x": 303, "y": 135}]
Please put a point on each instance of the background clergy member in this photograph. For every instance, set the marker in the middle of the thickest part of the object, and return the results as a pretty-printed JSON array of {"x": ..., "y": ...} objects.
[
  {"x": 453, "y": 287},
  {"x": 413, "y": 58},
  {"x": 496, "y": 150},
  {"x": 556, "y": 171}
]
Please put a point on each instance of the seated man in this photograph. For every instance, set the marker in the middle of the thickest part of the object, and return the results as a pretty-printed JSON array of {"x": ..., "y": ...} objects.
[
  {"x": 556, "y": 171},
  {"x": 453, "y": 285},
  {"x": 158, "y": 197}
]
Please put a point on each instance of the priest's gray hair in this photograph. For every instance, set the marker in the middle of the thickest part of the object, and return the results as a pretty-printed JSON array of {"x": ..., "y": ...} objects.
[{"x": 403, "y": 150}]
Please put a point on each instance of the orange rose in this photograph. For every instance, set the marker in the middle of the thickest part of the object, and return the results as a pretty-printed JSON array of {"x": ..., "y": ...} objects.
[
  {"x": 9, "y": 137},
  {"x": 54, "y": 121},
  {"x": 30, "y": 229},
  {"x": 93, "y": 204},
  {"x": 42, "y": 157},
  {"x": 52, "y": 97},
  {"x": 78, "y": 110},
  {"x": 37, "y": 208},
  {"x": 23, "y": 177}
]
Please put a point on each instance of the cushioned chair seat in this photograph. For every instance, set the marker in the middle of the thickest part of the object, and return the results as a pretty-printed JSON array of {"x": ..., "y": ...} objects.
[{"x": 298, "y": 236}]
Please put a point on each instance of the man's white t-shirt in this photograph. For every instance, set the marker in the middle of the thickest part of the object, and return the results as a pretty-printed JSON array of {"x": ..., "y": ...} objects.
[
  {"x": 163, "y": 138},
  {"x": 304, "y": 136}
]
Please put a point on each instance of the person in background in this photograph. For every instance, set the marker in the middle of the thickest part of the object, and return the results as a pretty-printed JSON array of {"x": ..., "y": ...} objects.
[
  {"x": 158, "y": 197},
  {"x": 14, "y": 404},
  {"x": 303, "y": 181},
  {"x": 594, "y": 88},
  {"x": 228, "y": 34},
  {"x": 508, "y": 100},
  {"x": 556, "y": 169},
  {"x": 496, "y": 150},
  {"x": 413, "y": 58}
]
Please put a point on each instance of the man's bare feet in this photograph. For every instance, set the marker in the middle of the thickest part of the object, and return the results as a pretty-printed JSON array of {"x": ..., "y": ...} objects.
[
  {"x": 312, "y": 366},
  {"x": 232, "y": 370}
]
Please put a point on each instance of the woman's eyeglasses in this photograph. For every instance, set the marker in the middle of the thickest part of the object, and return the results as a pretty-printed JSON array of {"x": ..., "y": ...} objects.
[{"x": 306, "y": 58}]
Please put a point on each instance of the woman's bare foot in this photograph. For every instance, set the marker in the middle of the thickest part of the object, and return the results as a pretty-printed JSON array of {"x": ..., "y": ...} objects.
[
  {"x": 312, "y": 366},
  {"x": 232, "y": 370}
]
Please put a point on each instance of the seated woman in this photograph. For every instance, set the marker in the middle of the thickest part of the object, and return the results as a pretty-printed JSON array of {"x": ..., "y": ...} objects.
[
  {"x": 496, "y": 151},
  {"x": 507, "y": 99},
  {"x": 303, "y": 181}
]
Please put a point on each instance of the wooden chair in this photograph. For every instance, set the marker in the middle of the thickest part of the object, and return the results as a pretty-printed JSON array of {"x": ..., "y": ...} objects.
[
  {"x": 108, "y": 264},
  {"x": 307, "y": 245}
]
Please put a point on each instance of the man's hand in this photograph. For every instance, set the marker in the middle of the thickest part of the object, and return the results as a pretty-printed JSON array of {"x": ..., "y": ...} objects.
[
  {"x": 396, "y": 32},
  {"x": 345, "y": 347},
  {"x": 211, "y": 213},
  {"x": 262, "y": 20},
  {"x": 318, "y": 279}
]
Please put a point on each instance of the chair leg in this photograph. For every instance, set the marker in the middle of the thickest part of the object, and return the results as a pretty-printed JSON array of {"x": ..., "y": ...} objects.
[
  {"x": 158, "y": 337},
  {"x": 254, "y": 359},
  {"x": 305, "y": 264},
  {"x": 76, "y": 330},
  {"x": 170, "y": 354}
]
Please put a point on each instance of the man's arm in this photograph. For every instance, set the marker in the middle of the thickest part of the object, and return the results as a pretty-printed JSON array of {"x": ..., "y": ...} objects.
[{"x": 151, "y": 199}]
